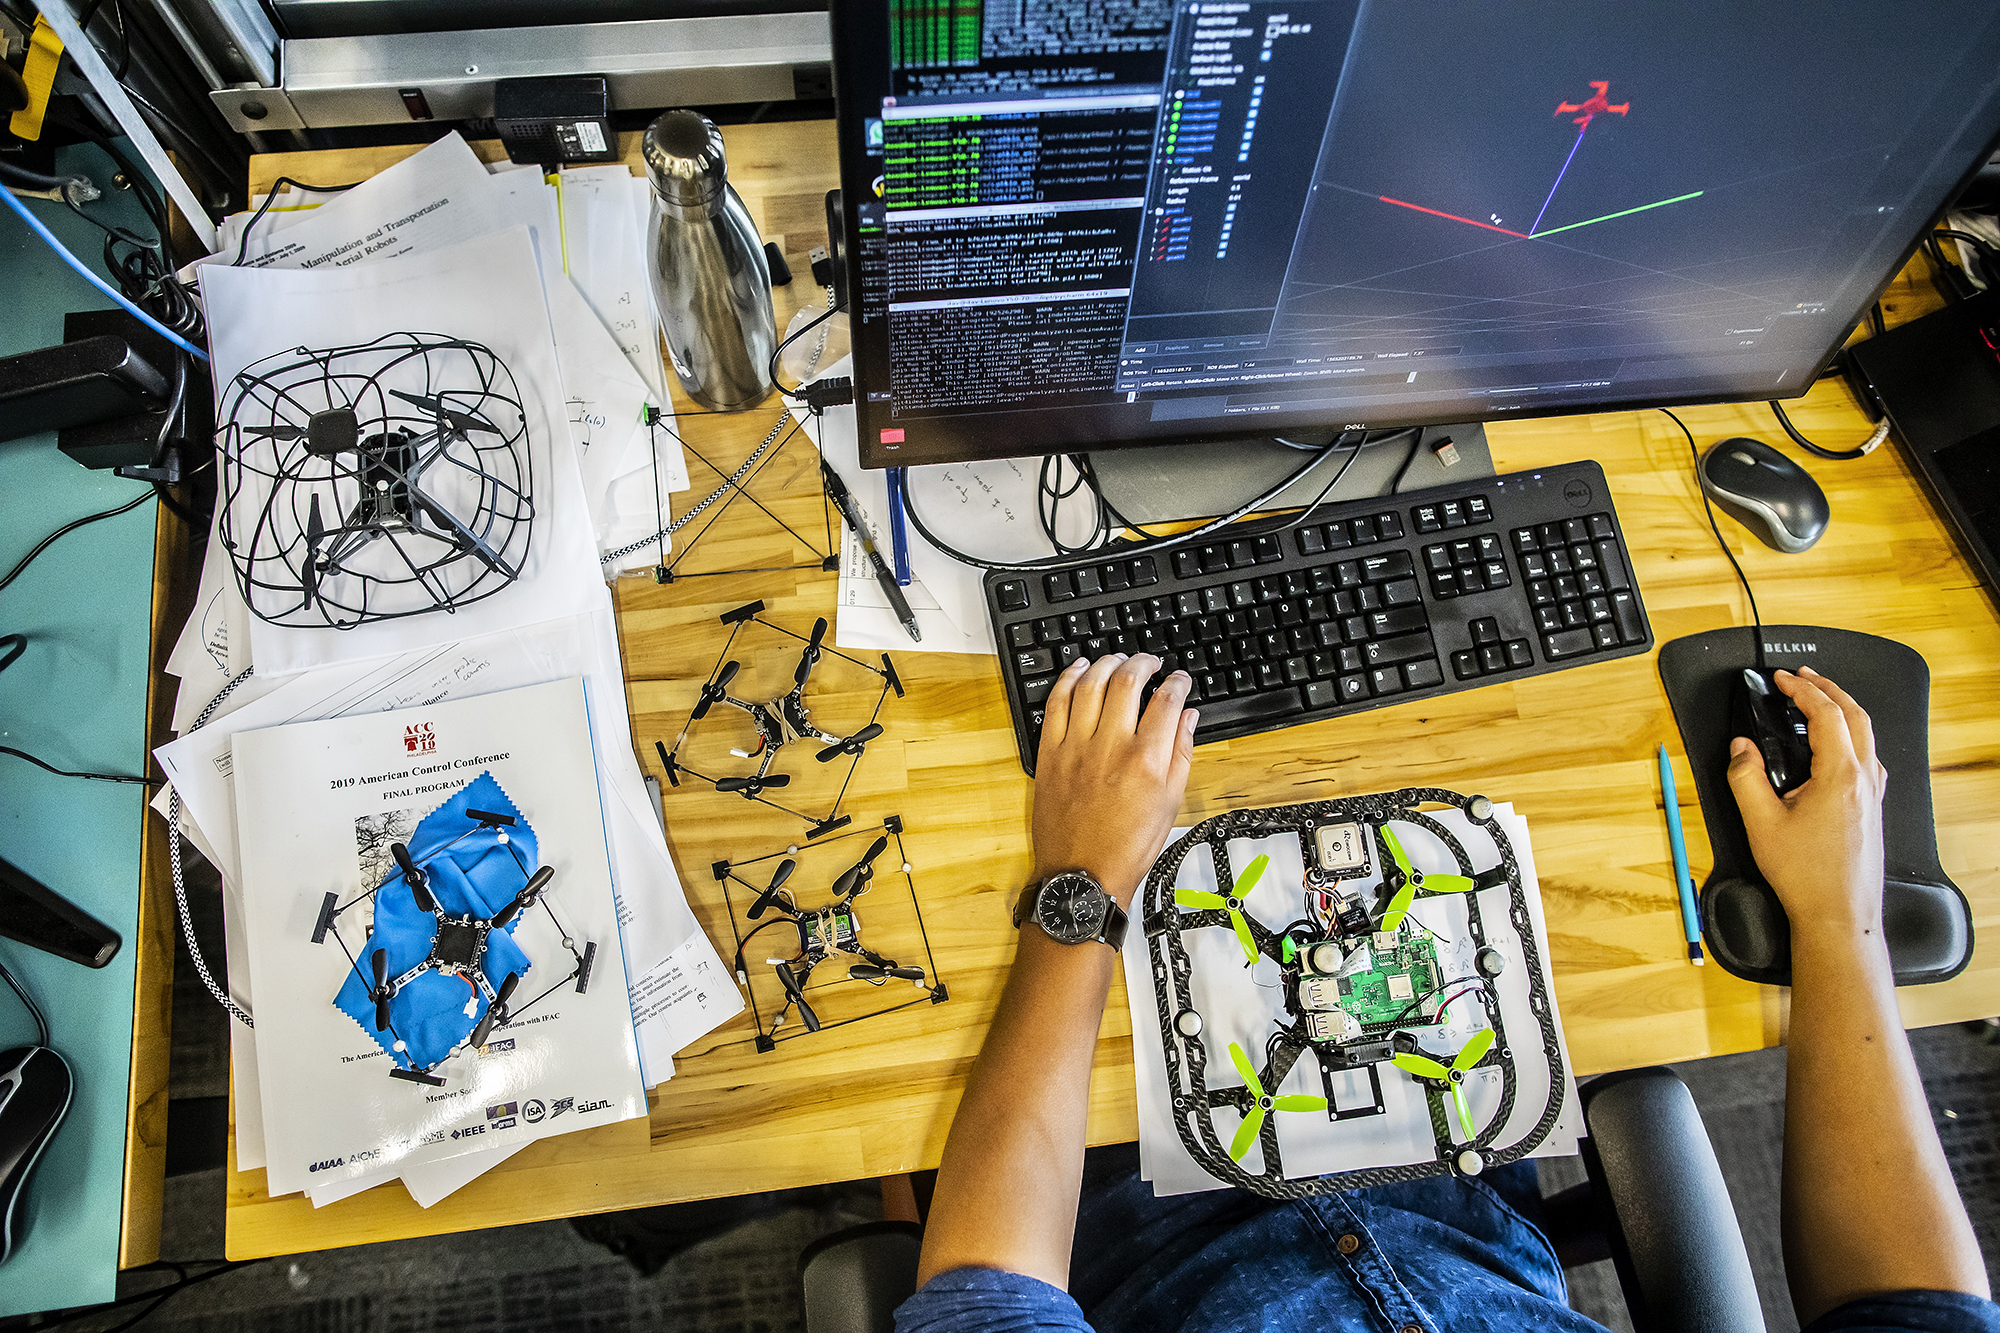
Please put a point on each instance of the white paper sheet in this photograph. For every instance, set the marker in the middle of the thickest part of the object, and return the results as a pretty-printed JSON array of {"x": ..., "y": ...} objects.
[
  {"x": 1238, "y": 1004},
  {"x": 332, "y": 1110},
  {"x": 487, "y": 290},
  {"x": 604, "y": 254}
]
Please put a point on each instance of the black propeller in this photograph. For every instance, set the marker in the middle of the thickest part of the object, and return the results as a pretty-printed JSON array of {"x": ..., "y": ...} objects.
[
  {"x": 381, "y": 993},
  {"x": 867, "y": 972},
  {"x": 525, "y": 898},
  {"x": 460, "y": 421},
  {"x": 797, "y": 993},
  {"x": 855, "y": 879},
  {"x": 907, "y": 973},
  {"x": 712, "y": 693},
  {"x": 811, "y": 654},
  {"x": 853, "y": 745},
  {"x": 769, "y": 897},
  {"x": 418, "y": 881},
  {"x": 752, "y": 785},
  {"x": 315, "y": 533},
  {"x": 496, "y": 1012}
]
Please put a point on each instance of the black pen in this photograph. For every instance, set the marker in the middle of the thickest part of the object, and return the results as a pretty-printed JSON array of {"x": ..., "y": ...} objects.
[{"x": 844, "y": 502}]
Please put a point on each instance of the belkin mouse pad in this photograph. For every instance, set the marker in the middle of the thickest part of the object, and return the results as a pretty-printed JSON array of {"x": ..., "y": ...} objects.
[{"x": 1925, "y": 917}]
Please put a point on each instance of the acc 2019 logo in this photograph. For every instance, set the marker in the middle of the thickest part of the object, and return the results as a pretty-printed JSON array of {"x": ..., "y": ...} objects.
[{"x": 419, "y": 739}]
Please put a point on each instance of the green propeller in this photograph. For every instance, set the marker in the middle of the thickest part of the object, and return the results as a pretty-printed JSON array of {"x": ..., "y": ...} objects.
[
  {"x": 1454, "y": 1077},
  {"x": 1414, "y": 879},
  {"x": 1233, "y": 904},
  {"x": 1246, "y": 1134}
]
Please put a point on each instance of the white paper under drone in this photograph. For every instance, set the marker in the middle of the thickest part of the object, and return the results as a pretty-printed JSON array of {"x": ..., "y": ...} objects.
[
  {"x": 1243, "y": 1005},
  {"x": 487, "y": 290},
  {"x": 331, "y": 1109}
]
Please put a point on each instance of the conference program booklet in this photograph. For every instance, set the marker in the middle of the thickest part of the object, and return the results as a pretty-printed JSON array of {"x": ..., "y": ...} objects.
[{"x": 481, "y": 794}]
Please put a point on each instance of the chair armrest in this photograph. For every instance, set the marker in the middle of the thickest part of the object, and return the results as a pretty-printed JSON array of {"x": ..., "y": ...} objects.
[
  {"x": 855, "y": 1279},
  {"x": 1667, "y": 1215}
]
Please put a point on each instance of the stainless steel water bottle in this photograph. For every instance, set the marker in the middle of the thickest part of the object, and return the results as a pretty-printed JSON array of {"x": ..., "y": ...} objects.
[{"x": 711, "y": 282}]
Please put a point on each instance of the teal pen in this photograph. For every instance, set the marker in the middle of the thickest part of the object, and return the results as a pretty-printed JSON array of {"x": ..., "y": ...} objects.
[{"x": 1683, "y": 881}]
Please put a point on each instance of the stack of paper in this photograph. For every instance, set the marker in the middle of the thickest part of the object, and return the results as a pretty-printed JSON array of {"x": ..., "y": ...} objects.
[
  {"x": 1241, "y": 1005},
  {"x": 441, "y": 245}
]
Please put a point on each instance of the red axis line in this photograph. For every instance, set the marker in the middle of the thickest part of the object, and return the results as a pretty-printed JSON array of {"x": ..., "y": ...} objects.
[{"x": 1453, "y": 216}]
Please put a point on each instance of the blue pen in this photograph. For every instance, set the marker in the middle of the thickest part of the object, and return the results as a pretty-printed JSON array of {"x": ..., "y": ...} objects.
[
  {"x": 1683, "y": 881},
  {"x": 899, "y": 542}
]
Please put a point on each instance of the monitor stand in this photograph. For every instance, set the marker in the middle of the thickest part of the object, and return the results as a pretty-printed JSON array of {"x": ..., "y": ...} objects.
[{"x": 1167, "y": 482}]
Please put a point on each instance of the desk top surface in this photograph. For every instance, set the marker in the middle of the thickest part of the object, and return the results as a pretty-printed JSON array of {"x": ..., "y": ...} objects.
[{"x": 1573, "y": 750}]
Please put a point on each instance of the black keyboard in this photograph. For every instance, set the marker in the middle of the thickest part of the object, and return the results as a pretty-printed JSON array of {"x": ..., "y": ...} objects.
[{"x": 1366, "y": 603}]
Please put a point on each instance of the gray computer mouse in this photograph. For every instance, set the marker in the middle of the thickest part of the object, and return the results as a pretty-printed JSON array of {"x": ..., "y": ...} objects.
[
  {"x": 1766, "y": 492},
  {"x": 35, "y": 1088}
]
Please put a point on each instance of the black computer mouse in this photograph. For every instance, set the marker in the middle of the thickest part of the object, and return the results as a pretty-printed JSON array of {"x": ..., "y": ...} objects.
[
  {"x": 1766, "y": 492},
  {"x": 1774, "y": 725},
  {"x": 35, "y": 1087}
]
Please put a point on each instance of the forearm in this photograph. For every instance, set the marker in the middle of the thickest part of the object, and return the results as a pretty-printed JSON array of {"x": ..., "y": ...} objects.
[
  {"x": 1007, "y": 1188},
  {"x": 1869, "y": 1203}
]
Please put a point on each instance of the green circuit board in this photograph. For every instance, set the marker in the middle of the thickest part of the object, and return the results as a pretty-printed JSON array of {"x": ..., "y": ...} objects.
[{"x": 1400, "y": 972}]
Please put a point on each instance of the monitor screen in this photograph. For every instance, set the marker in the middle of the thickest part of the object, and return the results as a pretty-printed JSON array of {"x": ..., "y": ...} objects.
[{"x": 1081, "y": 223}]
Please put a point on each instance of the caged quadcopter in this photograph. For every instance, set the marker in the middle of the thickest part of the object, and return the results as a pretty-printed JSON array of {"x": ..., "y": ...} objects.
[
  {"x": 780, "y": 721},
  {"x": 1367, "y": 988},
  {"x": 439, "y": 966},
  {"x": 372, "y": 482},
  {"x": 824, "y": 934}
]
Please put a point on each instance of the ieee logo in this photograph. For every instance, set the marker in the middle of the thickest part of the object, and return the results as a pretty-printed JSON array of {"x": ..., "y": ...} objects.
[{"x": 418, "y": 739}]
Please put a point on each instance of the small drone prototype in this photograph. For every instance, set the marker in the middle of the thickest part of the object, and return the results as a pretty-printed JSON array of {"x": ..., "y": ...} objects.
[
  {"x": 372, "y": 482},
  {"x": 780, "y": 721},
  {"x": 825, "y": 933},
  {"x": 1362, "y": 980},
  {"x": 464, "y": 945}
]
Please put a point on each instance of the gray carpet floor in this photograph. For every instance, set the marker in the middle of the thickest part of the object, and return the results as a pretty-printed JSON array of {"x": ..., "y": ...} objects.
[{"x": 732, "y": 1266}]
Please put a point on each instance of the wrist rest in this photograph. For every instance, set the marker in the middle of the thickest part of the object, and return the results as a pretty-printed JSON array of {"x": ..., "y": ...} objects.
[{"x": 1926, "y": 920}]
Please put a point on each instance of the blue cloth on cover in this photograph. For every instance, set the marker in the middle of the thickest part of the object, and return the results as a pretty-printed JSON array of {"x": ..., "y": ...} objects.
[{"x": 479, "y": 876}]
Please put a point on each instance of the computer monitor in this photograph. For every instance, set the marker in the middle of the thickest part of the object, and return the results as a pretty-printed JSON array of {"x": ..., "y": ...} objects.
[{"x": 1076, "y": 224}]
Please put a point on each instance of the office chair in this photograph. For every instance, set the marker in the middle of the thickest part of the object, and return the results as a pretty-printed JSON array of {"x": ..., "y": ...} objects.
[{"x": 1655, "y": 1205}]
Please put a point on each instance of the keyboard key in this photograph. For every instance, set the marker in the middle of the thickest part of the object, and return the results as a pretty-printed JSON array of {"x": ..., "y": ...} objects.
[
  {"x": 1428, "y": 519},
  {"x": 1337, "y": 538},
  {"x": 1266, "y": 549},
  {"x": 1270, "y": 588},
  {"x": 1317, "y": 609},
  {"x": 1600, "y": 527},
  {"x": 1013, "y": 595},
  {"x": 1065, "y": 653},
  {"x": 1471, "y": 580},
  {"x": 1214, "y": 559},
  {"x": 1263, "y": 619},
  {"x": 1445, "y": 584},
  {"x": 1565, "y": 586},
  {"x": 1276, "y": 645},
  {"x": 1385, "y": 680},
  {"x": 1187, "y": 564},
  {"x": 1575, "y": 530},
  {"x": 1352, "y": 688},
  {"x": 1364, "y": 531},
  {"x": 1125, "y": 641},
  {"x": 1289, "y": 613},
  {"x": 1076, "y": 625},
  {"x": 1269, "y": 676},
  {"x": 1096, "y": 646},
  {"x": 1187, "y": 605},
  {"x": 1489, "y": 546},
  {"x": 1048, "y": 630},
  {"x": 1598, "y": 608},
  {"x": 1422, "y": 675},
  {"x": 1312, "y": 541},
  {"x": 1320, "y": 579},
  {"x": 1241, "y": 553},
  {"x": 1327, "y": 634},
  {"x": 1525, "y": 540},
  {"x": 1464, "y": 553},
  {"x": 1607, "y": 635},
  {"x": 1583, "y": 556},
  {"x": 1405, "y": 648},
  {"x": 1495, "y": 573},
  {"x": 1612, "y": 565},
  {"x": 1369, "y": 596},
  {"x": 1214, "y": 599},
  {"x": 1116, "y": 577},
  {"x": 1347, "y": 658},
  {"x": 1551, "y": 535},
  {"x": 1152, "y": 640},
  {"x": 1037, "y": 690},
  {"x": 1208, "y": 629},
  {"x": 1355, "y": 629},
  {"x": 1159, "y": 610},
  {"x": 1021, "y": 635},
  {"x": 1389, "y": 565},
  {"x": 1297, "y": 672},
  {"x": 1541, "y": 593},
  {"x": 1212, "y": 685},
  {"x": 1478, "y": 510},
  {"x": 1131, "y": 615},
  {"x": 1034, "y": 662},
  {"x": 1590, "y": 581},
  {"x": 1518, "y": 655},
  {"x": 1251, "y": 708},
  {"x": 1625, "y": 608},
  {"x": 1492, "y": 658},
  {"x": 1548, "y": 618},
  {"x": 1089, "y": 583},
  {"x": 1465, "y": 664},
  {"x": 1535, "y": 565},
  {"x": 1485, "y": 630},
  {"x": 1437, "y": 559},
  {"x": 1559, "y": 562},
  {"x": 1242, "y": 594},
  {"x": 1295, "y": 583},
  {"x": 1057, "y": 586},
  {"x": 1347, "y": 574},
  {"x": 1453, "y": 512},
  {"x": 1242, "y": 680},
  {"x": 1145, "y": 572},
  {"x": 1323, "y": 665},
  {"x": 1180, "y": 635},
  {"x": 1569, "y": 643},
  {"x": 1322, "y": 694},
  {"x": 1343, "y": 603},
  {"x": 1400, "y": 620},
  {"x": 1573, "y": 614},
  {"x": 1389, "y": 527}
]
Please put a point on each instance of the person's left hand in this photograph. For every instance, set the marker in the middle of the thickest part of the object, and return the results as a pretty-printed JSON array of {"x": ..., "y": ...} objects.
[{"x": 1108, "y": 781}]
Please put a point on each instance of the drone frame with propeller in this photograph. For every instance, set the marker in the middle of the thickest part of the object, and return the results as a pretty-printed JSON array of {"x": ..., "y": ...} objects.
[
  {"x": 1460, "y": 1145},
  {"x": 780, "y": 721},
  {"x": 373, "y": 482},
  {"x": 458, "y": 946},
  {"x": 826, "y": 932}
]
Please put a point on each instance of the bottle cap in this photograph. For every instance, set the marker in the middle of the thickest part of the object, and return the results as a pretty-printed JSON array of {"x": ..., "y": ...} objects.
[{"x": 685, "y": 163}]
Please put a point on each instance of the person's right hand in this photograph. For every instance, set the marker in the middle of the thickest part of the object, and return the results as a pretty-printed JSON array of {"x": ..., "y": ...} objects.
[{"x": 1819, "y": 846}]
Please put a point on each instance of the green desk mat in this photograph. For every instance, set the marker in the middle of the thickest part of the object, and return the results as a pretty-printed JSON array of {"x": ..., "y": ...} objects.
[{"x": 77, "y": 699}]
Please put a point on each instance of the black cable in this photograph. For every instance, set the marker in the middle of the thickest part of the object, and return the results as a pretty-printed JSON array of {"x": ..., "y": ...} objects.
[
  {"x": 65, "y": 530},
  {"x": 1416, "y": 447},
  {"x": 1695, "y": 450},
  {"x": 1838, "y": 455},
  {"x": 41, "y": 1023},
  {"x": 787, "y": 920},
  {"x": 1875, "y": 320},
  {"x": 11, "y": 648},
  {"x": 793, "y": 337},
  {"x": 65, "y": 773},
  {"x": 243, "y": 246},
  {"x": 1984, "y": 246}
]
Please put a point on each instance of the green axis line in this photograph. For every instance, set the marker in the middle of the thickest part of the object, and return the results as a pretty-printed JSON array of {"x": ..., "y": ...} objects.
[{"x": 1608, "y": 216}]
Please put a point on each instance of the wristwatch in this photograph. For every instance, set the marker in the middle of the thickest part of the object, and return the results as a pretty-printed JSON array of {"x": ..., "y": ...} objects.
[{"x": 1072, "y": 908}]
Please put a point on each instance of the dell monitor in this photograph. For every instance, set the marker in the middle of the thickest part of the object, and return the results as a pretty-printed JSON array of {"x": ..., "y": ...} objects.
[{"x": 1078, "y": 224}]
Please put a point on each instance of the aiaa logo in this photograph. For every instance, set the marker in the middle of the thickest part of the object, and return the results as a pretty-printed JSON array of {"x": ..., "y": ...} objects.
[{"x": 418, "y": 738}]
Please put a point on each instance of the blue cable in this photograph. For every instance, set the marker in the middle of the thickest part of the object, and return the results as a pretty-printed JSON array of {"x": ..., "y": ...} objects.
[{"x": 35, "y": 224}]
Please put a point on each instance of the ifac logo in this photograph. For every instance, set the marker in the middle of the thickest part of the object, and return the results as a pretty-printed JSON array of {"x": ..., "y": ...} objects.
[{"x": 419, "y": 739}]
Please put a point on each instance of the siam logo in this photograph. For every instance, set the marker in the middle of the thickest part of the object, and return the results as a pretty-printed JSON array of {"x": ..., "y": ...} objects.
[
  {"x": 327, "y": 1166},
  {"x": 562, "y": 1104},
  {"x": 534, "y": 1111},
  {"x": 592, "y": 1106},
  {"x": 419, "y": 739}
]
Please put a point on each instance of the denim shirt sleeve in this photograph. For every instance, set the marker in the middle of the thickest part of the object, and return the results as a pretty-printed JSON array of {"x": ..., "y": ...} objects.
[
  {"x": 987, "y": 1300},
  {"x": 1911, "y": 1312}
]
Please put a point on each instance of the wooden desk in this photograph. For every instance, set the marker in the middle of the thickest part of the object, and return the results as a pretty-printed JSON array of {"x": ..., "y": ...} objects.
[{"x": 1574, "y": 751}]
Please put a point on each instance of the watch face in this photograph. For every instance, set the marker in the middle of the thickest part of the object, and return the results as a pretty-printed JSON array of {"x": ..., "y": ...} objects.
[{"x": 1070, "y": 909}]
